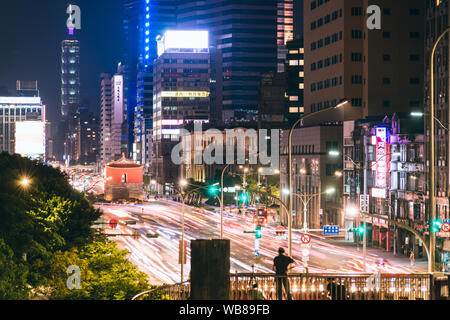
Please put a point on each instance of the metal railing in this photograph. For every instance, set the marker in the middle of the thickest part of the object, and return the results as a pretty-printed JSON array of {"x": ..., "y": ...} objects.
[
  {"x": 336, "y": 287},
  {"x": 419, "y": 286}
]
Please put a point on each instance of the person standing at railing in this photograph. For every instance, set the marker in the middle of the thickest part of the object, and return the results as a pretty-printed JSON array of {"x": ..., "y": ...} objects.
[{"x": 281, "y": 265}]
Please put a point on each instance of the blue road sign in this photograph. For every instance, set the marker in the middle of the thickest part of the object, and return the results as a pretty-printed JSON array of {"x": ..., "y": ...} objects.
[
  {"x": 331, "y": 230},
  {"x": 293, "y": 212},
  {"x": 446, "y": 221}
]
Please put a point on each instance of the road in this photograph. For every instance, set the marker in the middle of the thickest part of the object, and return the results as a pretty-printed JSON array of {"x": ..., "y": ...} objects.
[{"x": 158, "y": 257}]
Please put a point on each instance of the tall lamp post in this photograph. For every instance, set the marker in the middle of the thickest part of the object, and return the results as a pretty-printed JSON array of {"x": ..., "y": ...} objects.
[
  {"x": 432, "y": 201},
  {"x": 221, "y": 200},
  {"x": 183, "y": 183},
  {"x": 291, "y": 131}
]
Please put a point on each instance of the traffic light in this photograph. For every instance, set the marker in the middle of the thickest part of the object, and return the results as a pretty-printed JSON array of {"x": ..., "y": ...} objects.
[
  {"x": 244, "y": 197},
  {"x": 360, "y": 230},
  {"x": 258, "y": 232},
  {"x": 213, "y": 190},
  {"x": 436, "y": 225}
]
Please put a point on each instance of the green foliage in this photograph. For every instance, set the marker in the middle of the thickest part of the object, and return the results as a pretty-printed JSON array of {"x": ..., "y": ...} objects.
[
  {"x": 13, "y": 275},
  {"x": 106, "y": 274}
]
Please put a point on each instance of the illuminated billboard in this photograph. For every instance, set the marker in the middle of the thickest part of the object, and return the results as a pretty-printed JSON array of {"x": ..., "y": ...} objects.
[
  {"x": 185, "y": 94},
  {"x": 183, "y": 39},
  {"x": 381, "y": 157},
  {"x": 30, "y": 139}
]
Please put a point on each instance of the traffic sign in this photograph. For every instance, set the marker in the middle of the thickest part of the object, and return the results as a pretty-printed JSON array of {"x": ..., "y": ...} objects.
[
  {"x": 113, "y": 223},
  {"x": 293, "y": 212},
  {"x": 305, "y": 238},
  {"x": 281, "y": 233},
  {"x": 443, "y": 234},
  {"x": 364, "y": 203},
  {"x": 445, "y": 227},
  {"x": 446, "y": 221},
  {"x": 331, "y": 230}
]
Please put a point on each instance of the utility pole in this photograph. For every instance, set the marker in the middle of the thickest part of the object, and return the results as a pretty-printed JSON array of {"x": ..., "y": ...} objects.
[{"x": 366, "y": 205}]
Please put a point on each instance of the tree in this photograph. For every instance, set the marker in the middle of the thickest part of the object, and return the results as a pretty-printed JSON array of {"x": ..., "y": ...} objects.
[
  {"x": 106, "y": 274},
  {"x": 13, "y": 275}
]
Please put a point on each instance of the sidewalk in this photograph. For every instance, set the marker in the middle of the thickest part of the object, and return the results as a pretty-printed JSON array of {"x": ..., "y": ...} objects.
[{"x": 420, "y": 265}]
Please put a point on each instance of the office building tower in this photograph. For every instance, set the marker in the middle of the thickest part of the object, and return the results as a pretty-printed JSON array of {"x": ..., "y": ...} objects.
[
  {"x": 70, "y": 77},
  {"x": 245, "y": 34},
  {"x": 347, "y": 61},
  {"x": 106, "y": 155},
  {"x": 181, "y": 96},
  {"x": 88, "y": 137},
  {"x": 112, "y": 118},
  {"x": 145, "y": 20},
  {"x": 22, "y": 126},
  {"x": 132, "y": 35},
  {"x": 285, "y": 30},
  {"x": 295, "y": 69}
]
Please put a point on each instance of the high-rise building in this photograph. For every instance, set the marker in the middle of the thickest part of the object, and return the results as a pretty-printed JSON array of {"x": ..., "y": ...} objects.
[
  {"x": 112, "y": 118},
  {"x": 245, "y": 34},
  {"x": 154, "y": 19},
  {"x": 344, "y": 60},
  {"x": 181, "y": 95},
  {"x": 285, "y": 29},
  {"x": 22, "y": 126},
  {"x": 295, "y": 69},
  {"x": 70, "y": 77},
  {"x": 88, "y": 136},
  {"x": 106, "y": 155},
  {"x": 132, "y": 35}
]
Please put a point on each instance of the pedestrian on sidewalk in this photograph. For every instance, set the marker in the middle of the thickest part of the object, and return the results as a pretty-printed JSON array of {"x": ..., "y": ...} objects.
[
  {"x": 281, "y": 267},
  {"x": 411, "y": 257}
]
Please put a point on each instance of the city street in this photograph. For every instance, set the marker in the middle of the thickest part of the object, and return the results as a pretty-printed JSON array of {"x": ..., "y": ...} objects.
[{"x": 158, "y": 257}]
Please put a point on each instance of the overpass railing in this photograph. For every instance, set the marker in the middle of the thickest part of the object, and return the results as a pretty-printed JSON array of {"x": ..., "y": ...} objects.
[{"x": 418, "y": 286}]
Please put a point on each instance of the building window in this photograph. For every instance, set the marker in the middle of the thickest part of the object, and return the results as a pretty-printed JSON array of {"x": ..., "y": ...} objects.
[
  {"x": 356, "y": 34},
  {"x": 356, "y": 56},
  {"x": 357, "y": 11}
]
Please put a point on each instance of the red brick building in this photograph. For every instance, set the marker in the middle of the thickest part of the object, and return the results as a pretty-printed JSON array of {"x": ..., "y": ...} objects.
[{"x": 124, "y": 180}]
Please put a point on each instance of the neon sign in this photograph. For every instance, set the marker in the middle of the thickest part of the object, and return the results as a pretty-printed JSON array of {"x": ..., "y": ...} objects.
[{"x": 381, "y": 157}]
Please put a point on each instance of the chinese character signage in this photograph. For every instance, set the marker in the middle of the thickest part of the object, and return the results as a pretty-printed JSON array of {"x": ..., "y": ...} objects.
[{"x": 381, "y": 157}]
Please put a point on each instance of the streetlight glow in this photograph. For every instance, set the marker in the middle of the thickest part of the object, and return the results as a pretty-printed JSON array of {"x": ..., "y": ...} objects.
[
  {"x": 330, "y": 190},
  {"x": 183, "y": 183},
  {"x": 333, "y": 153},
  {"x": 25, "y": 182},
  {"x": 351, "y": 211}
]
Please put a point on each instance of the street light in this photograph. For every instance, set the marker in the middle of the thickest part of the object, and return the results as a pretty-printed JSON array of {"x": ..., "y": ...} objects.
[
  {"x": 25, "y": 182},
  {"x": 183, "y": 183},
  {"x": 306, "y": 198},
  {"x": 432, "y": 201},
  {"x": 339, "y": 105}
]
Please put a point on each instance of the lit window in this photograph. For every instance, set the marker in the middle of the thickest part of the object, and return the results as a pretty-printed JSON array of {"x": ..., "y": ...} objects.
[
  {"x": 301, "y": 86},
  {"x": 301, "y": 62},
  {"x": 301, "y": 74},
  {"x": 293, "y": 51},
  {"x": 293, "y": 98},
  {"x": 293, "y": 62},
  {"x": 293, "y": 110},
  {"x": 302, "y": 50}
]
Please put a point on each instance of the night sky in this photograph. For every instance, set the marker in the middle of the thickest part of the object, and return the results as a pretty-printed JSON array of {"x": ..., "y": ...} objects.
[{"x": 31, "y": 32}]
